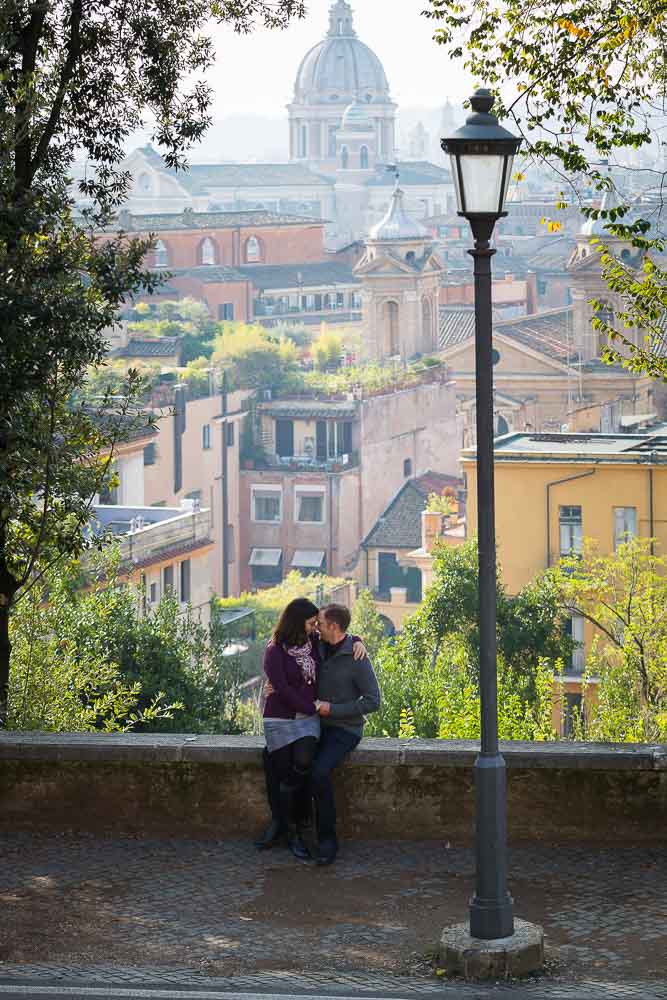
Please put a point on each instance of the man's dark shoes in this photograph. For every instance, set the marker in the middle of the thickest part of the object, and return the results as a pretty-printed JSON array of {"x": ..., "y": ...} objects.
[
  {"x": 327, "y": 851},
  {"x": 274, "y": 834},
  {"x": 296, "y": 844}
]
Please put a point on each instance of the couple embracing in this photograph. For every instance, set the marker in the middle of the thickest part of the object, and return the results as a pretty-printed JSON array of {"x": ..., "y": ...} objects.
[{"x": 319, "y": 687}]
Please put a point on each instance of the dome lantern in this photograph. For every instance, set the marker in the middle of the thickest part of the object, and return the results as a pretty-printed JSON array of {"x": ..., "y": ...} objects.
[{"x": 397, "y": 224}]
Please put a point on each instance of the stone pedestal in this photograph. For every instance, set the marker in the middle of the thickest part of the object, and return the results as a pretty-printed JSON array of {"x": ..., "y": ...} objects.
[{"x": 502, "y": 958}]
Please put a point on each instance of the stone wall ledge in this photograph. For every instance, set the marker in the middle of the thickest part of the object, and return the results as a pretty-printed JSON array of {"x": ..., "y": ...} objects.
[{"x": 132, "y": 748}]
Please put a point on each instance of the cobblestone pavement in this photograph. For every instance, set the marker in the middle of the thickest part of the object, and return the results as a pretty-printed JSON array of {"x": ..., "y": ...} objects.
[{"x": 128, "y": 908}]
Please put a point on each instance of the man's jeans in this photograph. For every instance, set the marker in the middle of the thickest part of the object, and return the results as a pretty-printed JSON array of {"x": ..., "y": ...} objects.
[{"x": 335, "y": 744}]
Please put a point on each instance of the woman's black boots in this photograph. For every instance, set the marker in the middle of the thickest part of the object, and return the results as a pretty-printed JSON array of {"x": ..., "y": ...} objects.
[
  {"x": 294, "y": 840},
  {"x": 276, "y": 832}
]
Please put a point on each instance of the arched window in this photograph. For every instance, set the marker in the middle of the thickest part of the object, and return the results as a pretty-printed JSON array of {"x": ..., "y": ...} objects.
[
  {"x": 427, "y": 325},
  {"x": 390, "y": 317},
  {"x": 363, "y": 157},
  {"x": 161, "y": 255},
  {"x": 344, "y": 157},
  {"x": 144, "y": 182},
  {"x": 253, "y": 250},
  {"x": 207, "y": 253}
]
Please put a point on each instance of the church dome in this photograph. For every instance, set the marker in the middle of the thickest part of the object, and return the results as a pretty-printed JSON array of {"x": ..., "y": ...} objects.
[
  {"x": 598, "y": 227},
  {"x": 356, "y": 118},
  {"x": 397, "y": 224},
  {"x": 340, "y": 68}
]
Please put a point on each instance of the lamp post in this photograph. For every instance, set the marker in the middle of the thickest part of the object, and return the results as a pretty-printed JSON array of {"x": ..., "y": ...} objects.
[{"x": 482, "y": 153}]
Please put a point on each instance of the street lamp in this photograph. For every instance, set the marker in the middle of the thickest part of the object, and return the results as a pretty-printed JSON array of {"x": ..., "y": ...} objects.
[{"x": 482, "y": 154}]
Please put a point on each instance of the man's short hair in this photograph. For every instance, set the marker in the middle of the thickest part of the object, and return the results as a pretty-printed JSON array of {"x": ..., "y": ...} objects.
[{"x": 339, "y": 615}]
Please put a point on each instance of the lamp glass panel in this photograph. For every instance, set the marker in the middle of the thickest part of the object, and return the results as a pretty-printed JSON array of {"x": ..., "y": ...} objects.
[
  {"x": 482, "y": 180},
  {"x": 455, "y": 178},
  {"x": 508, "y": 179}
]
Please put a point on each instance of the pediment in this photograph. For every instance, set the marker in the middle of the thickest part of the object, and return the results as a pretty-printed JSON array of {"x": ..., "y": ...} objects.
[
  {"x": 384, "y": 264},
  {"x": 515, "y": 357}
]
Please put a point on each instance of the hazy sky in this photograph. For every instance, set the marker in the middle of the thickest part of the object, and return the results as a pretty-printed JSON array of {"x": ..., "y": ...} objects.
[{"x": 255, "y": 73}]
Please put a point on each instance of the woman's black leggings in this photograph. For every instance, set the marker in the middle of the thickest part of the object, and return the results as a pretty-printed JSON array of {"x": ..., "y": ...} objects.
[{"x": 291, "y": 764}]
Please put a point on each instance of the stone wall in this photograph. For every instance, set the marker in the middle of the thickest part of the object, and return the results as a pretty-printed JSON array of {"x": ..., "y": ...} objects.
[{"x": 208, "y": 786}]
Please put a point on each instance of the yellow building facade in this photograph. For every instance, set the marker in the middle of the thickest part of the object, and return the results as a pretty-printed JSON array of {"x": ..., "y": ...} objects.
[{"x": 555, "y": 490}]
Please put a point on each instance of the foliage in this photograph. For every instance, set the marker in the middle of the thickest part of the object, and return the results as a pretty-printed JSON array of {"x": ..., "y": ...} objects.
[
  {"x": 268, "y": 603},
  {"x": 79, "y": 79},
  {"x": 439, "y": 503},
  {"x": 367, "y": 624},
  {"x": 624, "y": 597},
  {"x": 188, "y": 319},
  {"x": 253, "y": 359},
  {"x": 298, "y": 333},
  {"x": 581, "y": 82},
  {"x": 326, "y": 351},
  {"x": 86, "y": 659},
  {"x": 432, "y": 667},
  {"x": 369, "y": 379}
]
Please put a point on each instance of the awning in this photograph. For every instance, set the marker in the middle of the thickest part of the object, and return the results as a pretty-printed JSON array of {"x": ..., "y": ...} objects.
[
  {"x": 265, "y": 557},
  {"x": 634, "y": 419},
  {"x": 308, "y": 559}
]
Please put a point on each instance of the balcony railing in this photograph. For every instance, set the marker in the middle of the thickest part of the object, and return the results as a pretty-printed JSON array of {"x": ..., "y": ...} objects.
[
  {"x": 337, "y": 464},
  {"x": 147, "y": 544}
]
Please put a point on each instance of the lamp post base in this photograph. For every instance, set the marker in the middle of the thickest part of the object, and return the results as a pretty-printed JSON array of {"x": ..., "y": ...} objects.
[{"x": 502, "y": 958}]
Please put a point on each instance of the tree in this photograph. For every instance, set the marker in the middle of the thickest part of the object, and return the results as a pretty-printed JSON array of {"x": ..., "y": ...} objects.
[
  {"x": 87, "y": 659},
  {"x": 367, "y": 624},
  {"x": 431, "y": 670},
  {"x": 582, "y": 82},
  {"x": 326, "y": 351},
  {"x": 253, "y": 358},
  {"x": 186, "y": 318},
  {"x": 78, "y": 78},
  {"x": 624, "y": 597}
]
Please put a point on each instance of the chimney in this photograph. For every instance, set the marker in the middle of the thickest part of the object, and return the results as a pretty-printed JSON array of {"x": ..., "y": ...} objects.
[{"x": 432, "y": 528}]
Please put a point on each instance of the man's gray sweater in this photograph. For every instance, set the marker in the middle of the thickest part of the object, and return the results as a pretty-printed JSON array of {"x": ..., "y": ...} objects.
[{"x": 350, "y": 686}]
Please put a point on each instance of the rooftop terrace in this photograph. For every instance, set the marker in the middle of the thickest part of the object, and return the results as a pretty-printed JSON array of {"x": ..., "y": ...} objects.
[{"x": 621, "y": 448}]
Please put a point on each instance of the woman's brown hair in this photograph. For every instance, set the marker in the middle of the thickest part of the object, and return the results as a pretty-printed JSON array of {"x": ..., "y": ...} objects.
[{"x": 291, "y": 627}]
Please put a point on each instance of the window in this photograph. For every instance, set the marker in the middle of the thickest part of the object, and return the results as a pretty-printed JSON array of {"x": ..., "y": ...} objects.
[
  {"x": 574, "y": 628},
  {"x": 625, "y": 525},
  {"x": 144, "y": 183},
  {"x": 267, "y": 503},
  {"x": 161, "y": 257},
  {"x": 150, "y": 454},
  {"x": 344, "y": 158},
  {"x": 206, "y": 437},
  {"x": 229, "y": 430},
  {"x": 407, "y": 468},
  {"x": 309, "y": 506},
  {"x": 185, "y": 581},
  {"x": 226, "y": 311},
  {"x": 285, "y": 438},
  {"x": 153, "y": 591},
  {"x": 390, "y": 311},
  {"x": 168, "y": 579},
  {"x": 253, "y": 250},
  {"x": 303, "y": 141},
  {"x": 570, "y": 530},
  {"x": 428, "y": 333},
  {"x": 363, "y": 157},
  {"x": 207, "y": 253}
]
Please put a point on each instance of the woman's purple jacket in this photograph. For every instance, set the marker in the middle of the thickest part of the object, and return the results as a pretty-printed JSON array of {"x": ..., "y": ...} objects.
[{"x": 292, "y": 693}]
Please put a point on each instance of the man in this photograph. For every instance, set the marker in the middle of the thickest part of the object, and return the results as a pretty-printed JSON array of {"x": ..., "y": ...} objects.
[{"x": 347, "y": 691}]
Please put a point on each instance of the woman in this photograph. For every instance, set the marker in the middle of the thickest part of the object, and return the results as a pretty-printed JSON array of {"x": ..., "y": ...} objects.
[{"x": 291, "y": 723}]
